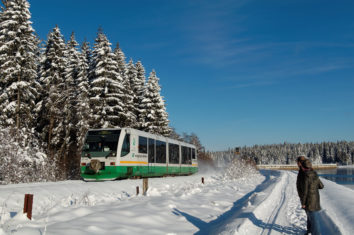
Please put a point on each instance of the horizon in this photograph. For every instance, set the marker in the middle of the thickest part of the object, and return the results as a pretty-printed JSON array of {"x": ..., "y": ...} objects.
[
  {"x": 235, "y": 73},
  {"x": 290, "y": 143}
]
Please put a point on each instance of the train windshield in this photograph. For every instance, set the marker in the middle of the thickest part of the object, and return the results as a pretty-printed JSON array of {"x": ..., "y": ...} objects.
[{"x": 101, "y": 143}]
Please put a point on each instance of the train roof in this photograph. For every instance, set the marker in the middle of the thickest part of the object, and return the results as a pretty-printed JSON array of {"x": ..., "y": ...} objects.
[{"x": 147, "y": 134}]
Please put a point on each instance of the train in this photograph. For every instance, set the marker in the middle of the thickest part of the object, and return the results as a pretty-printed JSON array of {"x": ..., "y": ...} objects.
[{"x": 120, "y": 153}]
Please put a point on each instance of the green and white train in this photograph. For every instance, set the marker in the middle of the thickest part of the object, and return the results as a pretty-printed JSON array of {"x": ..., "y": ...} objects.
[{"x": 120, "y": 153}]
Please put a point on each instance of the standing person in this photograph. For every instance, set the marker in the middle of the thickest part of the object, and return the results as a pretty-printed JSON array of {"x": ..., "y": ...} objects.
[{"x": 307, "y": 184}]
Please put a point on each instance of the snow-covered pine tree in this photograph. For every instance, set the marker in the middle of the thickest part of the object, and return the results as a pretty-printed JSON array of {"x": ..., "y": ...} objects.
[
  {"x": 83, "y": 103},
  {"x": 107, "y": 95},
  {"x": 71, "y": 93},
  {"x": 18, "y": 47},
  {"x": 120, "y": 58},
  {"x": 161, "y": 121},
  {"x": 128, "y": 98},
  {"x": 139, "y": 102},
  {"x": 54, "y": 96},
  {"x": 157, "y": 118},
  {"x": 76, "y": 106},
  {"x": 87, "y": 53}
]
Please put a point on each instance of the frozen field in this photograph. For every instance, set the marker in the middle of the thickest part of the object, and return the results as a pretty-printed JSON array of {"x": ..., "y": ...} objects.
[{"x": 265, "y": 203}]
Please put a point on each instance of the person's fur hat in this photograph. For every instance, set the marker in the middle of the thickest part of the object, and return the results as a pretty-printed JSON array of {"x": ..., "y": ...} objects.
[
  {"x": 307, "y": 164},
  {"x": 301, "y": 158}
]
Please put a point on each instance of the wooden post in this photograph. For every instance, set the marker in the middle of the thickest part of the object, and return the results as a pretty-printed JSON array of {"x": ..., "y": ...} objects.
[
  {"x": 25, "y": 204},
  {"x": 28, "y": 204},
  {"x": 202, "y": 180},
  {"x": 145, "y": 185},
  {"x": 137, "y": 190}
]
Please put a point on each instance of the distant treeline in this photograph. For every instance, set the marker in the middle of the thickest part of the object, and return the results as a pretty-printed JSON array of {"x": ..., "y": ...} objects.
[{"x": 341, "y": 152}]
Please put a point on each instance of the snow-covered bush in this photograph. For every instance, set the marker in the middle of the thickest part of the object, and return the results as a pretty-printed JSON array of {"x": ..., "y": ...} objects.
[
  {"x": 227, "y": 163},
  {"x": 240, "y": 168},
  {"x": 21, "y": 158}
]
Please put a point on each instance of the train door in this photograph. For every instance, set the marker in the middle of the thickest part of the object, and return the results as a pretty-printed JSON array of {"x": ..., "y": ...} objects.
[
  {"x": 151, "y": 156},
  {"x": 190, "y": 160},
  {"x": 194, "y": 159},
  {"x": 180, "y": 159}
]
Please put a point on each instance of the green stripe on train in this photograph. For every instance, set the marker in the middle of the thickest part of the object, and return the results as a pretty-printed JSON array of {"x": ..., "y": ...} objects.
[{"x": 114, "y": 172}]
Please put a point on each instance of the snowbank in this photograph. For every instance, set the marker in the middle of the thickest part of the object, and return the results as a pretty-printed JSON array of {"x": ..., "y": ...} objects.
[{"x": 337, "y": 202}]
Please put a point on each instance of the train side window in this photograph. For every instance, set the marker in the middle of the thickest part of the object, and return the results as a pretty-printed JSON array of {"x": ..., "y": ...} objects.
[
  {"x": 173, "y": 153},
  {"x": 189, "y": 156},
  {"x": 184, "y": 155},
  {"x": 193, "y": 154},
  {"x": 151, "y": 151},
  {"x": 126, "y": 145},
  {"x": 160, "y": 151},
  {"x": 142, "y": 144}
]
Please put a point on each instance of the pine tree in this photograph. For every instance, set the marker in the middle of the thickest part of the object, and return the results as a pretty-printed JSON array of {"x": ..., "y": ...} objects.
[
  {"x": 106, "y": 98},
  {"x": 161, "y": 120},
  {"x": 18, "y": 47},
  {"x": 120, "y": 58},
  {"x": 54, "y": 96},
  {"x": 128, "y": 98},
  {"x": 156, "y": 119},
  {"x": 87, "y": 53},
  {"x": 76, "y": 106},
  {"x": 129, "y": 105},
  {"x": 139, "y": 101},
  {"x": 71, "y": 94},
  {"x": 131, "y": 77},
  {"x": 83, "y": 104}
]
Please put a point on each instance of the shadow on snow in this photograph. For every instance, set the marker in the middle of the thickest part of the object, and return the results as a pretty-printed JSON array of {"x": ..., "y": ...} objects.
[{"x": 237, "y": 212}]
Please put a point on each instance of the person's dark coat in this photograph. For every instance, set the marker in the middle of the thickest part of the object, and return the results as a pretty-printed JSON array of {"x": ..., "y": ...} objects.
[
  {"x": 300, "y": 182},
  {"x": 308, "y": 184}
]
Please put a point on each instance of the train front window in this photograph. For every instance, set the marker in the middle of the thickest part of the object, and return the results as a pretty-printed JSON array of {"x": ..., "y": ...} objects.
[{"x": 102, "y": 143}]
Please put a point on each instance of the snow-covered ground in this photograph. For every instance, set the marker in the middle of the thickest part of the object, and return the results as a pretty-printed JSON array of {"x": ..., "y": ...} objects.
[{"x": 265, "y": 203}]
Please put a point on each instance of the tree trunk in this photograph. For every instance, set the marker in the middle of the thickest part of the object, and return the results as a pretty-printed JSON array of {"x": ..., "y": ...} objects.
[
  {"x": 18, "y": 105},
  {"x": 50, "y": 131}
]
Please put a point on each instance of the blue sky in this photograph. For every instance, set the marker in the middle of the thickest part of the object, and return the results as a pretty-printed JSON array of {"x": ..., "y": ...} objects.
[{"x": 234, "y": 72}]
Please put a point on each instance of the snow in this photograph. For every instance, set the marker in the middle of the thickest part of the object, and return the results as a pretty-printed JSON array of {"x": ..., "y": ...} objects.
[{"x": 261, "y": 203}]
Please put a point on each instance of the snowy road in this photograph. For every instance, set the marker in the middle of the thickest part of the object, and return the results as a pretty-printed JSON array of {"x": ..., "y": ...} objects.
[
  {"x": 273, "y": 208},
  {"x": 265, "y": 203}
]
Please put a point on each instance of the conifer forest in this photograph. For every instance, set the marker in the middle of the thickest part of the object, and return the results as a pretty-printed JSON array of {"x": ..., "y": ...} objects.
[{"x": 52, "y": 91}]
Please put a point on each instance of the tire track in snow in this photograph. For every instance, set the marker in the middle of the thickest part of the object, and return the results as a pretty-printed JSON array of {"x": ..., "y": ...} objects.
[
  {"x": 271, "y": 212},
  {"x": 232, "y": 220},
  {"x": 235, "y": 216},
  {"x": 255, "y": 216},
  {"x": 297, "y": 216},
  {"x": 278, "y": 208},
  {"x": 287, "y": 217}
]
